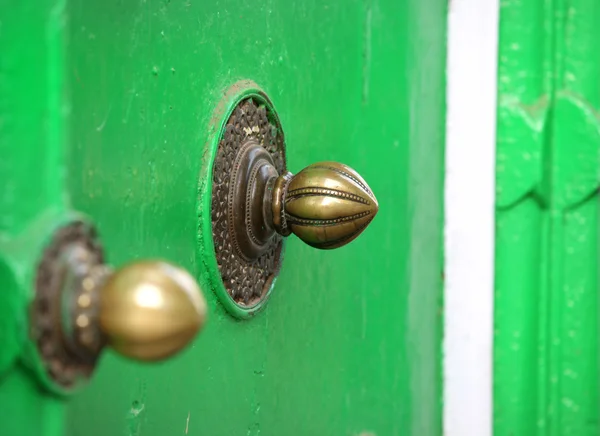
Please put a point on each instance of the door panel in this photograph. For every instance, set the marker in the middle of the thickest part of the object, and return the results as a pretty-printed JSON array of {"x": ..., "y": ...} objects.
[{"x": 350, "y": 340}]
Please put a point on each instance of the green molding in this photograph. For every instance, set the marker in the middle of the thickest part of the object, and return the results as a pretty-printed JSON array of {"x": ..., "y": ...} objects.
[{"x": 547, "y": 210}]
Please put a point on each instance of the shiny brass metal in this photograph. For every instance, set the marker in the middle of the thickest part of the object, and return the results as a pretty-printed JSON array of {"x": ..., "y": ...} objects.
[
  {"x": 326, "y": 205},
  {"x": 147, "y": 310},
  {"x": 150, "y": 310},
  {"x": 255, "y": 203}
]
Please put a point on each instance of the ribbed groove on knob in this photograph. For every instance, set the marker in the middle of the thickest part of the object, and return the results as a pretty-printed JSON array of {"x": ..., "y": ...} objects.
[{"x": 327, "y": 205}]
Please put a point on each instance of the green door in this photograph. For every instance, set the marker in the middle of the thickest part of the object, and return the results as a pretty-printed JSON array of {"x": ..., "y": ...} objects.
[{"x": 112, "y": 105}]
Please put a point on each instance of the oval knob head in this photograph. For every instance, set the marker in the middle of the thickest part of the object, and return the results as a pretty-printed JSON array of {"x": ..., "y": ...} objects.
[
  {"x": 328, "y": 204},
  {"x": 150, "y": 310}
]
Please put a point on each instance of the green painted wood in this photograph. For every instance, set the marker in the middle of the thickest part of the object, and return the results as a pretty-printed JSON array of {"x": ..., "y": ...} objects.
[
  {"x": 547, "y": 282},
  {"x": 574, "y": 180},
  {"x": 27, "y": 409},
  {"x": 33, "y": 132},
  {"x": 524, "y": 93},
  {"x": 349, "y": 342}
]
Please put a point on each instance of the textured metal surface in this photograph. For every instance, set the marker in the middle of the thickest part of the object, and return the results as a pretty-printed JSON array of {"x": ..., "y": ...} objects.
[
  {"x": 246, "y": 281},
  {"x": 249, "y": 201},
  {"x": 73, "y": 253},
  {"x": 84, "y": 310}
]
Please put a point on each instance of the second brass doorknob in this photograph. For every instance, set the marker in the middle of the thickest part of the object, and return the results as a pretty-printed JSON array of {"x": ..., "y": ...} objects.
[
  {"x": 149, "y": 310},
  {"x": 146, "y": 310}
]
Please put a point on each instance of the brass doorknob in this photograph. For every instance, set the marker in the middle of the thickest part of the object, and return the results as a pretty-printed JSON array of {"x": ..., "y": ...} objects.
[
  {"x": 146, "y": 310},
  {"x": 326, "y": 205}
]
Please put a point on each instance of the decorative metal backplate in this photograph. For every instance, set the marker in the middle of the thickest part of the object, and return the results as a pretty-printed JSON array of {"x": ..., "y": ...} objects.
[
  {"x": 247, "y": 282},
  {"x": 55, "y": 273}
]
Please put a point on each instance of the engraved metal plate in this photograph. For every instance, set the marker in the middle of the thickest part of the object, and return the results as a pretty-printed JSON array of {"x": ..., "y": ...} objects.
[
  {"x": 247, "y": 281},
  {"x": 73, "y": 251}
]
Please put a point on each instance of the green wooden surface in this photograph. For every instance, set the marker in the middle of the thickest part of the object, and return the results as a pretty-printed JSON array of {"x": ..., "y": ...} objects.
[
  {"x": 32, "y": 128},
  {"x": 349, "y": 342},
  {"x": 33, "y": 132},
  {"x": 547, "y": 254}
]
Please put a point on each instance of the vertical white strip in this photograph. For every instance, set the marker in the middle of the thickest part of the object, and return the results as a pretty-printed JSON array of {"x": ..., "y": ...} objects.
[{"x": 469, "y": 214}]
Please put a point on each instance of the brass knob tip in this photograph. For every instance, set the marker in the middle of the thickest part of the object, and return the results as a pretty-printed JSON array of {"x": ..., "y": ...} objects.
[
  {"x": 150, "y": 310},
  {"x": 328, "y": 205}
]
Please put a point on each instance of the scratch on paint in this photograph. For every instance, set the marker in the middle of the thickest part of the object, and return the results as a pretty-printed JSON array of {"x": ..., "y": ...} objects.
[
  {"x": 133, "y": 94},
  {"x": 134, "y": 418},
  {"x": 187, "y": 423},
  {"x": 134, "y": 414},
  {"x": 135, "y": 410},
  {"x": 101, "y": 126}
]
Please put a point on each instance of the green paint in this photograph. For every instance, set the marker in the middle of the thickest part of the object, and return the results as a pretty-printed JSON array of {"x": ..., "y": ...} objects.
[
  {"x": 349, "y": 342},
  {"x": 26, "y": 410},
  {"x": 30, "y": 138},
  {"x": 547, "y": 284},
  {"x": 33, "y": 131}
]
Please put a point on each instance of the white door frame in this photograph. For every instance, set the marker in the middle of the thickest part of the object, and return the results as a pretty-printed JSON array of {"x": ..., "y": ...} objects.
[{"x": 469, "y": 216}]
